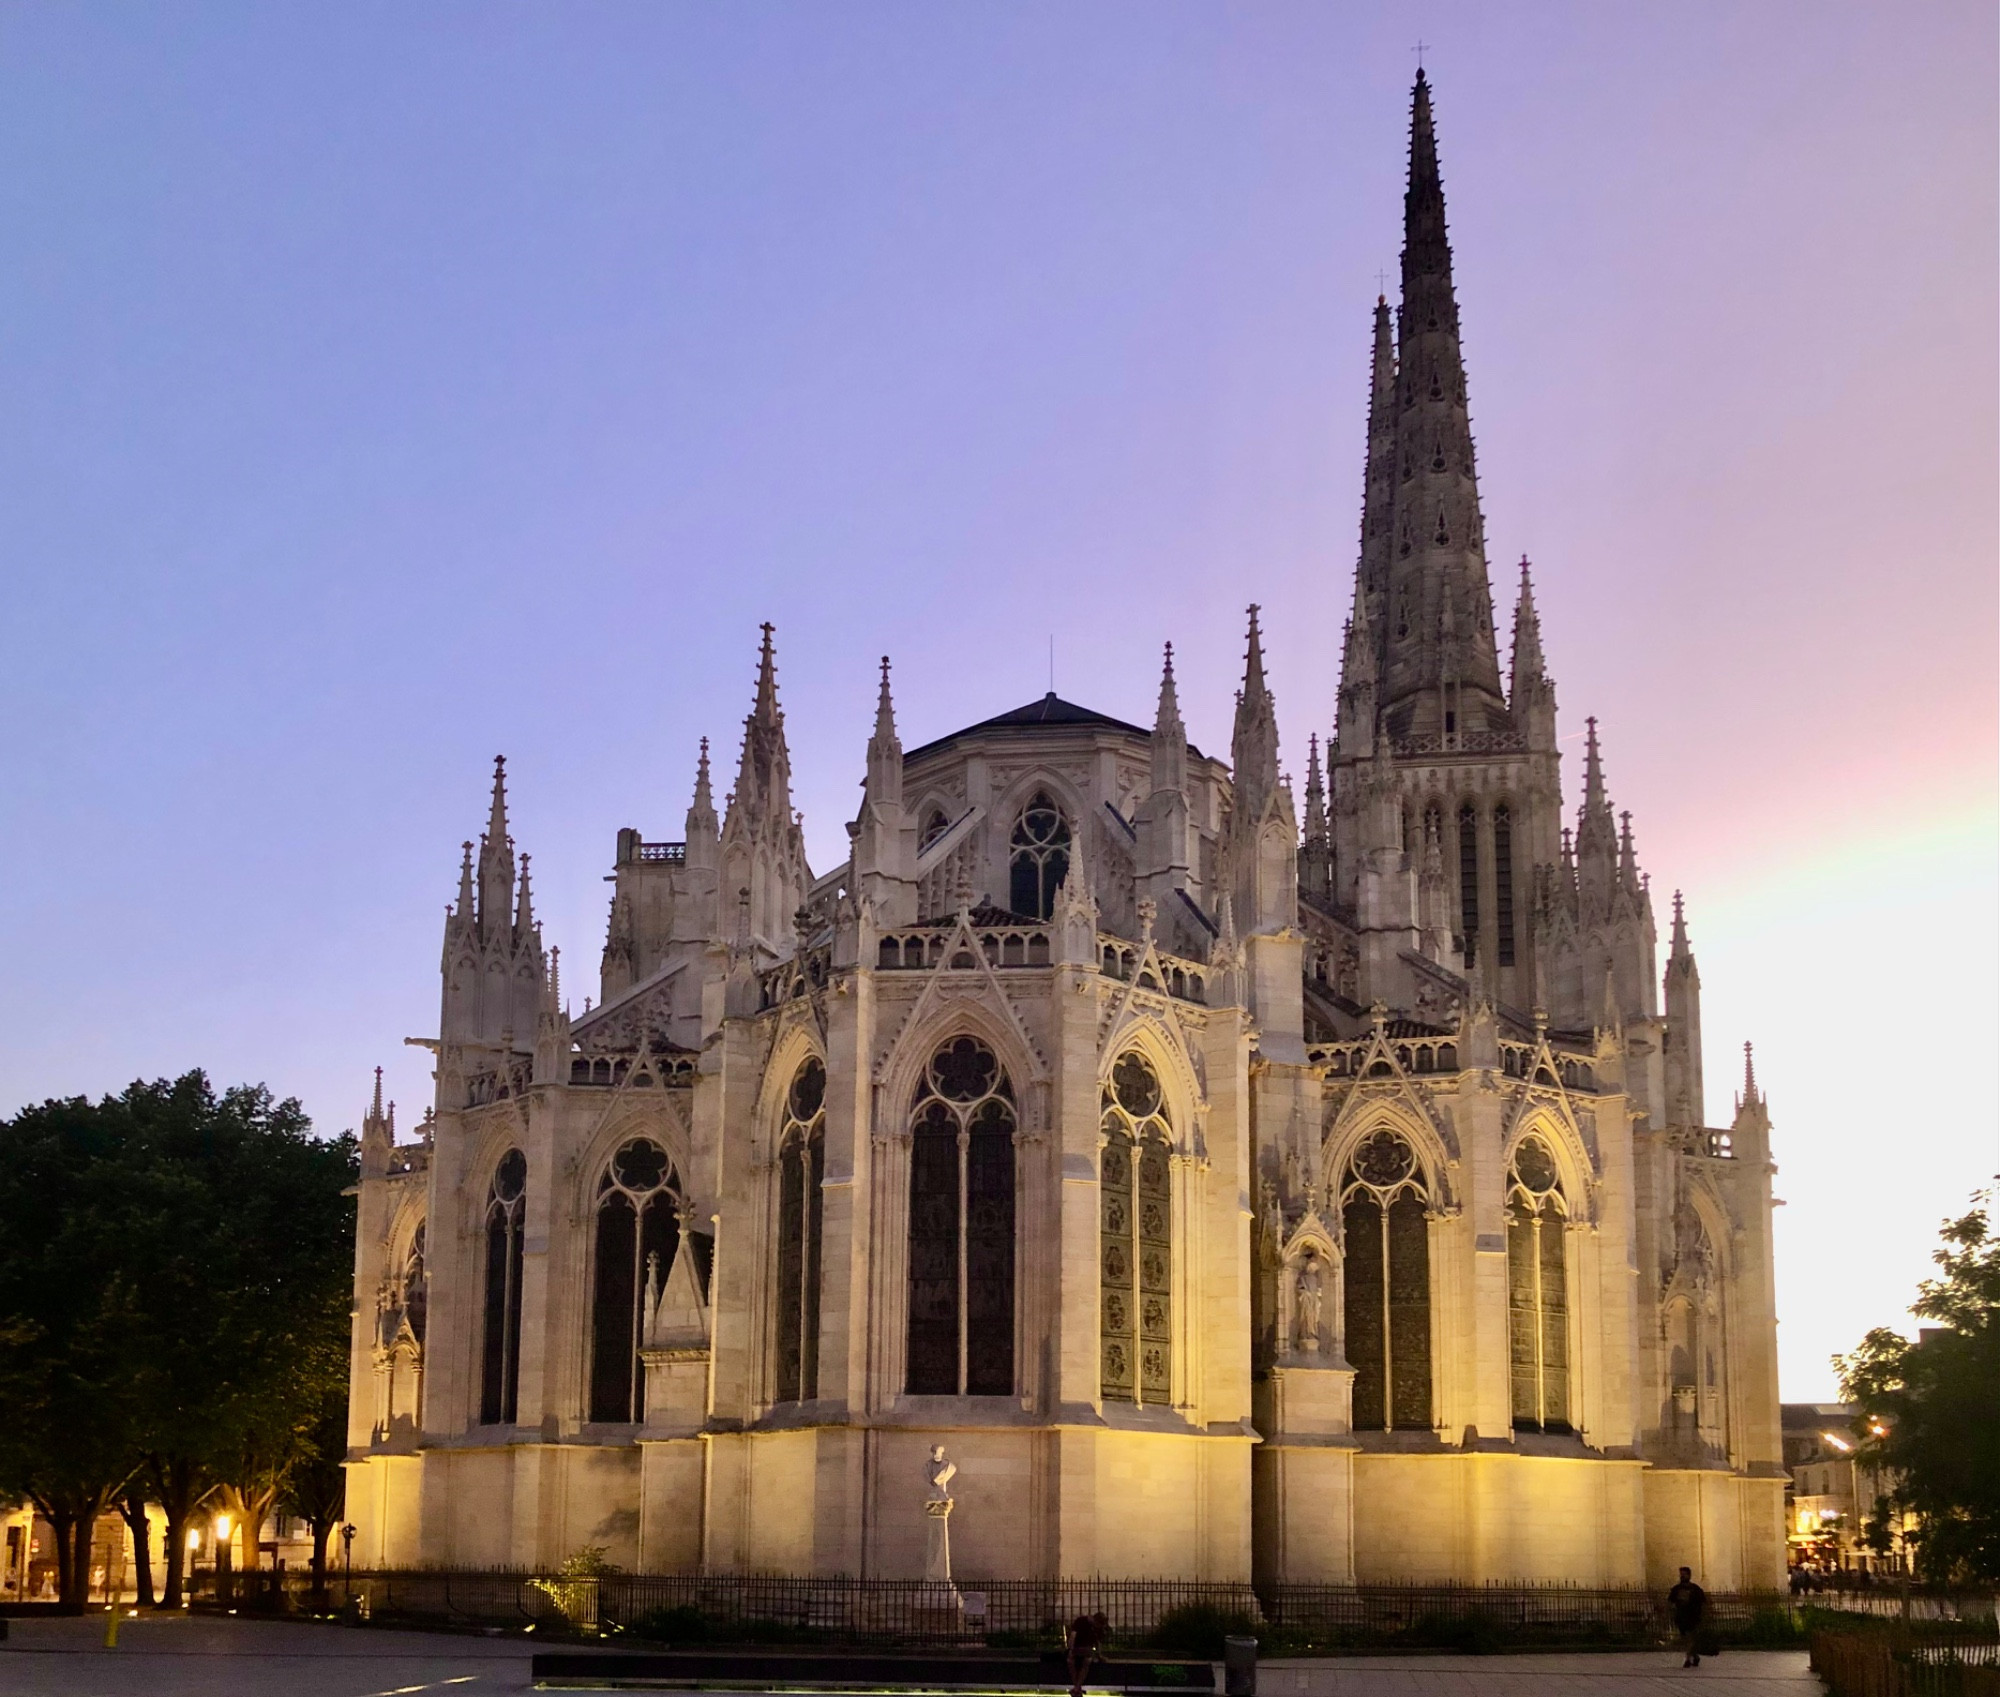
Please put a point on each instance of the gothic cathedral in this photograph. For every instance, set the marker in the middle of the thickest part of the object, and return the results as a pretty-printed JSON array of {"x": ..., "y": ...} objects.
[{"x": 1237, "y": 1196}]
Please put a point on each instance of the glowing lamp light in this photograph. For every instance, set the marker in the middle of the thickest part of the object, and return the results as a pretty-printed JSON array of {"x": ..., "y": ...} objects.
[
  {"x": 1837, "y": 1441},
  {"x": 221, "y": 1526},
  {"x": 194, "y": 1537}
]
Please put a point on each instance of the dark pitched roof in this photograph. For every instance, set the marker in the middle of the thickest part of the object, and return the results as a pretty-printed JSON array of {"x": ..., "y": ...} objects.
[{"x": 1050, "y": 710}]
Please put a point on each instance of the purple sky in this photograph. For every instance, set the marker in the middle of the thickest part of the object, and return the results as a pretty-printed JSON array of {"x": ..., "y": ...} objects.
[{"x": 382, "y": 388}]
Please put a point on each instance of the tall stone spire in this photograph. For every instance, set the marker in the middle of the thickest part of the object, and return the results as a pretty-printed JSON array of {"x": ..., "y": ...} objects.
[
  {"x": 496, "y": 859},
  {"x": 701, "y": 820},
  {"x": 1437, "y": 565},
  {"x": 764, "y": 774},
  {"x": 1169, "y": 734},
  {"x": 1378, "y": 478},
  {"x": 1596, "y": 835},
  {"x": 1253, "y": 746},
  {"x": 1685, "y": 1099},
  {"x": 1531, "y": 695},
  {"x": 884, "y": 835},
  {"x": 524, "y": 906},
  {"x": 1316, "y": 858},
  {"x": 885, "y": 753},
  {"x": 763, "y": 849}
]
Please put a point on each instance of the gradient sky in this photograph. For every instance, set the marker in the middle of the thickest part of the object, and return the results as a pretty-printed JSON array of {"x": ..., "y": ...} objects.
[{"x": 384, "y": 387}]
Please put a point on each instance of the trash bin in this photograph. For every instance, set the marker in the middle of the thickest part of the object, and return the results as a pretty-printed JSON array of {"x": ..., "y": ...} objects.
[{"x": 1239, "y": 1667}]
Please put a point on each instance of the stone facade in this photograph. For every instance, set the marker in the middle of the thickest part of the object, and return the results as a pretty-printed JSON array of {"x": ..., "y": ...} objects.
[{"x": 1234, "y": 1194}]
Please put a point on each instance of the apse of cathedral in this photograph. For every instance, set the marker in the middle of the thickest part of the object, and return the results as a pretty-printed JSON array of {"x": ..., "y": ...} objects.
[{"x": 1238, "y": 1190}]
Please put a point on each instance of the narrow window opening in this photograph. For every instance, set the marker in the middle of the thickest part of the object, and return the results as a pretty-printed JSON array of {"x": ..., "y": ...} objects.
[
  {"x": 1386, "y": 1231},
  {"x": 500, "y": 1365},
  {"x": 637, "y": 1237},
  {"x": 1136, "y": 1238},
  {"x": 1503, "y": 881},
  {"x": 801, "y": 1172},
  {"x": 1040, "y": 858},
  {"x": 1468, "y": 880},
  {"x": 961, "y": 1266}
]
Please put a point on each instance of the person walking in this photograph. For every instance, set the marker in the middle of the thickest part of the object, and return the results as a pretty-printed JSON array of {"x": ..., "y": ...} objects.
[
  {"x": 1688, "y": 1602},
  {"x": 1086, "y": 1637}
]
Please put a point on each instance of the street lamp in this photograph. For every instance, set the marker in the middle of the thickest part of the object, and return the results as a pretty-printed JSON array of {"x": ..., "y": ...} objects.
[
  {"x": 347, "y": 1559},
  {"x": 222, "y": 1560}
]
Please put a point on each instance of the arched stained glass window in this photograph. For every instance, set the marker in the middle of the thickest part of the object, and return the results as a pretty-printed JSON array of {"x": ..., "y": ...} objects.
[
  {"x": 1135, "y": 1239},
  {"x": 638, "y": 1235},
  {"x": 961, "y": 1333},
  {"x": 801, "y": 1173},
  {"x": 1040, "y": 858},
  {"x": 1383, "y": 1212},
  {"x": 500, "y": 1354},
  {"x": 1537, "y": 1291},
  {"x": 934, "y": 827}
]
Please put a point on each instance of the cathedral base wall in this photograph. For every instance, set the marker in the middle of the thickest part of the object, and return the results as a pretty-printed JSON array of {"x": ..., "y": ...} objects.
[
  {"x": 383, "y": 1498},
  {"x": 1304, "y": 1505},
  {"x": 1728, "y": 1528},
  {"x": 1471, "y": 1518}
]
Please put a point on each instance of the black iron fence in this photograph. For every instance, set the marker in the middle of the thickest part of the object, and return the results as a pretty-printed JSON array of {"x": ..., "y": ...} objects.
[{"x": 1182, "y": 1614}]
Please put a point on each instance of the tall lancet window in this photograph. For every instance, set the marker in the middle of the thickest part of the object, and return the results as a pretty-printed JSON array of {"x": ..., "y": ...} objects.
[
  {"x": 1503, "y": 881},
  {"x": 801, "y": 1173},
  {"x": 1135, "y": 1269},
  {"x": 1040, "y": 858},
  {"x": 1383, "y": 1210},
  {"x": 961, "y": 1340},
  {"x": 1468, "y": 879},
  {"x": 638, "y": 1233},
  {"x": 1537, "y": 1291},
  {"x": 500, "y": 1355}
]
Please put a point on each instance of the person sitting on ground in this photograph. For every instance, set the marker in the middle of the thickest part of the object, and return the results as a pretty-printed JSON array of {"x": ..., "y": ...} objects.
[
  {"x": 1688, "y": 1601},
  {"x": 1086, "y": 1637}
]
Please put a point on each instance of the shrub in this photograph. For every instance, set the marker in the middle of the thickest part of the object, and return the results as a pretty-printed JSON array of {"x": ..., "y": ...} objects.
[{"x": 1198, "y": 1629}]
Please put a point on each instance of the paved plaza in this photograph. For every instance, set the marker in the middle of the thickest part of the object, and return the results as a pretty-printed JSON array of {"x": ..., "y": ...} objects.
[{"x": 178, "y": 1656}]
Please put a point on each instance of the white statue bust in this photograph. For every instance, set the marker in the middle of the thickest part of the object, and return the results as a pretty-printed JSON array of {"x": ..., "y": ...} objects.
[{"x": 941, "y": 1471}]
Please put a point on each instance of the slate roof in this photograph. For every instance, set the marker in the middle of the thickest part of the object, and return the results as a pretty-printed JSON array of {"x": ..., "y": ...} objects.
[{"x": 1050, "y": 710}]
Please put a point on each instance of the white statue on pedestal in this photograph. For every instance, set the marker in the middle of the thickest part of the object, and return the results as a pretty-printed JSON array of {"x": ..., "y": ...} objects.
[{"x": 937, "y": 1508}]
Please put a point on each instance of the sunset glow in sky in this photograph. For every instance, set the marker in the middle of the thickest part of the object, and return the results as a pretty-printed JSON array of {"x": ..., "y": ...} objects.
[{"x": 384, "y": 388}]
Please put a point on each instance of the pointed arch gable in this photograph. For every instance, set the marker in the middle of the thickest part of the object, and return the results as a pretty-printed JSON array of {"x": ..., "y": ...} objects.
[
  {"x": 794, "y": 1045},
  {"x": 1163, "y": 1046},
  {"x": 655, "y": 1115},
  {"x": 934, "y": 1021},
  {"x": 1552, "y": 1121},
  {"x": 1361, "y": 1116}
]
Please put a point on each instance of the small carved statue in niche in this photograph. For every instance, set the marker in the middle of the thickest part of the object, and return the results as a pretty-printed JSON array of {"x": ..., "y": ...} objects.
[{"x": 1311, "y": 1295}]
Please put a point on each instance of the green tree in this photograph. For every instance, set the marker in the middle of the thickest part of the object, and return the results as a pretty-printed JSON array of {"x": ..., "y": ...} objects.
[
  {"x": 180, "y": 1263},
  {"x": 75, "y": 1321},
  {"x": 316, "y": 1488},
  {"x": 1930, "y": 1410}
]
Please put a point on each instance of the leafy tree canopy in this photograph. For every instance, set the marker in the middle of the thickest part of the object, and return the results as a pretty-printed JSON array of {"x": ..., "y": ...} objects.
[
  {"x": 1930, "y": 1410},
  {"x": 175, "y": 1269}
]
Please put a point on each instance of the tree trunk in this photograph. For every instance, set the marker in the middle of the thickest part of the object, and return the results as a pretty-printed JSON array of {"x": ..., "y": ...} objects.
[
  {"x": 65, "y": 1530},
  {"x": 81, "y": 1543},
  {"x": 174, "y": 1489},
  {"x": 133, "y": 1507},
  {"x": 321, "y": 1530}
]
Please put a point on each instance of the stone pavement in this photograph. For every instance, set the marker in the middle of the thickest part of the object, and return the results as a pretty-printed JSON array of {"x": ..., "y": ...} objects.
[{"x": 203, "y": 1656}]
